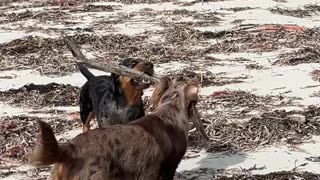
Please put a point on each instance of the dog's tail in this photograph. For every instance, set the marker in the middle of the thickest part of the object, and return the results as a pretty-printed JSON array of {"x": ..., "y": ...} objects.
[
  {"x": 85, "y": 71},
  {"x": 48, "y": 151}
]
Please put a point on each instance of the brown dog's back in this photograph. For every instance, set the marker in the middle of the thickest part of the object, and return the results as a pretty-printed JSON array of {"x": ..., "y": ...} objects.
[
  {"x": 115, "y": 152},
  {"x": 137, "y": 151}
]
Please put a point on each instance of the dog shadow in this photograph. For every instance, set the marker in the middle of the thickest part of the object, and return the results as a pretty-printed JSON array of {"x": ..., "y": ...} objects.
[
  {"x": 204, "y": 165},
  {"x": 212, "y": 160}
]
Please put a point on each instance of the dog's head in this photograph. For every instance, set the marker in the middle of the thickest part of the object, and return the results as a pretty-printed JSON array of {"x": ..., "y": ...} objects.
[
  {"x": 183, "y": 93},
  {"x": 175, "y": 88},
  {"x": 139, "y": 65}
]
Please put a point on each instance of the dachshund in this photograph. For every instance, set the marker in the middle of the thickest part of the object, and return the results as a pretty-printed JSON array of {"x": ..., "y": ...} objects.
[
  {"x": 149, "y": 148},
  {"x": 113, "y": 99}
]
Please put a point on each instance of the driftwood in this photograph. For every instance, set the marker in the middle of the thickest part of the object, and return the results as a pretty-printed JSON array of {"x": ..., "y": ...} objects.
[{"x": 107, "y": 67}]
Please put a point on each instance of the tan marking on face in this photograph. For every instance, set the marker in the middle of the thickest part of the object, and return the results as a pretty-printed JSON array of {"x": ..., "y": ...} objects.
[
  {"x": 131, "y": 93},
  {"x": 140, "y": 67}
]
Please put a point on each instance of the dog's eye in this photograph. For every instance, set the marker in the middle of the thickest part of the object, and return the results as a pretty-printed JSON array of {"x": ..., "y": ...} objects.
[
  {"x": 133, "y": 63},
  {"x": 180, "y": 78}
]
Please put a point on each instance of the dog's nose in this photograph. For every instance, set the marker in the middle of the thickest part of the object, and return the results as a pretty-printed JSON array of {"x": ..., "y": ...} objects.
[{"x": 148, "y": 65}]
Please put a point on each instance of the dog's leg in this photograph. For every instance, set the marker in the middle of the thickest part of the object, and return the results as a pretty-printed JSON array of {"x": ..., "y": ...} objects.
[
  {"x": 85, "y": 106},
  {"x": 168, "y": 171},
  {"x": 86, "y": 126}
]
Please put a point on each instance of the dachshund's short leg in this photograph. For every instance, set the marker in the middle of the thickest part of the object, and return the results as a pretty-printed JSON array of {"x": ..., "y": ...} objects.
[{"x": 86, "y": 126}]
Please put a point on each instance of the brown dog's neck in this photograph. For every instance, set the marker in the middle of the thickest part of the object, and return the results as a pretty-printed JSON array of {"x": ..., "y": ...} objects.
[{"x": 173, "y": 115}]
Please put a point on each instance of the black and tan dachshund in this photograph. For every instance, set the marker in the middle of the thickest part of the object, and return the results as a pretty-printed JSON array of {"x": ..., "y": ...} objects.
[{"x": 113, "y": 99}]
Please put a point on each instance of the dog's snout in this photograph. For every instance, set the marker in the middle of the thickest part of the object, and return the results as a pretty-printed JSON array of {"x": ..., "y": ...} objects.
[{"x": 148, "y": 65}]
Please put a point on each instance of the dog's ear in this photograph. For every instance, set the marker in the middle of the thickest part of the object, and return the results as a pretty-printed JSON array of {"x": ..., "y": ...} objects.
[
  {"x": 114, "y": 77},
  {"x": 121, "y": 63},
  {"x": 178, "y": 79},
  {"x": 160, "y": 88},
  {"x": 191, "y": 92}
]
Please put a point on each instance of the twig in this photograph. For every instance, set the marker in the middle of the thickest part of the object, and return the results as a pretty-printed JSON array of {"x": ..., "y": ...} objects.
[
  {"x": 103, "y": 66},
  {"x": 297, "y": 166}
]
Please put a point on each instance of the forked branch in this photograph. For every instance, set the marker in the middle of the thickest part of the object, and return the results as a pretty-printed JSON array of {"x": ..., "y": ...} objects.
[{"x": 107, "y": 67}]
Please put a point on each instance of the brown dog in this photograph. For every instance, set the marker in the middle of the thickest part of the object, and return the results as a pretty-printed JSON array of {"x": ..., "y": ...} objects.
[{"x": 149, "y": 148}]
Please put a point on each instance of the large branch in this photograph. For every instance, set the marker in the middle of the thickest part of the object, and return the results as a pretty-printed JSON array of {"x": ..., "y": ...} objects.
[{"x": 107, "y": 67}]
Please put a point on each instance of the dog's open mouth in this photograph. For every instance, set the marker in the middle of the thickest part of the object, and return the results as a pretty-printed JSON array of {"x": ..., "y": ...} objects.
[{"x": 141, "y": 84}]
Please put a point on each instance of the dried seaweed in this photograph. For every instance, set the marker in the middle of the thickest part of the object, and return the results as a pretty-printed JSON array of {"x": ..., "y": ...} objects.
[
  {"x": 313, "y": 159},
  {"x": 206, "y": 19},
  {"x": 182, "y": 35},
  {"x": 30, "y": 44},
  {"x": 199, "y": 19},
  {"x": 217, "y": 174},
  {"x": 32, "y": 95},
  {"x": 315, "y": 74},
  {"x": 39, "y": 173},
  {"x": 315, "y": 94},
  {"x": 96, "y": 8},
  {"x": 306, "y": 11},
  {"x": 230, "y": 105},
  {"x": 254, "y": 66},
  {"x": 221, "y": 174},
  {"x": 283, "y": 175},
  {"x": 301, "y": 13},
  {"x": 265, "y": 38},
  {"x": 18, "y": 134},
  {"x": 45, "y": 55},
  {"x": 48, "y": 55},
  {"x": 312, "y": 7},
  {"x": 141, "y": 1},
  {"x": 42, "y": 16},
  {"x": 267, "y": 129},
  {"x": 310, "y": 54},
  {"x": 237, "y": 21},
  {"x": 35, "y": 3},
  {"x": 162, "y": 53},
  {"x": 208, "y": 78},
  {"x": 281, "y": 1},
  {"x": 238, "y": 9}
]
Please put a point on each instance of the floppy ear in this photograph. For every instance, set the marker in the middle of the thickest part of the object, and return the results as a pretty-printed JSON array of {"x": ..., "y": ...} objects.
[
  {"x": 191, "y": 92},
  {"x": 161, "y": 87},
  {"x": 178, "y": 79},
  {"x": 121, "y": 63},
  {"x": 114, "y": 76}
]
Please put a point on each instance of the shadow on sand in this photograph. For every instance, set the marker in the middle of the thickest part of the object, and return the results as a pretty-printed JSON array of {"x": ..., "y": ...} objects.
[{"x": 205, "y": 165}]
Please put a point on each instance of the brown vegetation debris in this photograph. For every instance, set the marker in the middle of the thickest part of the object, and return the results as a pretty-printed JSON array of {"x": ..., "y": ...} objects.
[{"x": 37, "y": 96}]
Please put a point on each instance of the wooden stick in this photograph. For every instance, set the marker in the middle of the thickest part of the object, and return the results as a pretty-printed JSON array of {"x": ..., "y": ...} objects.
[{"x": 107, "y": 67}]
